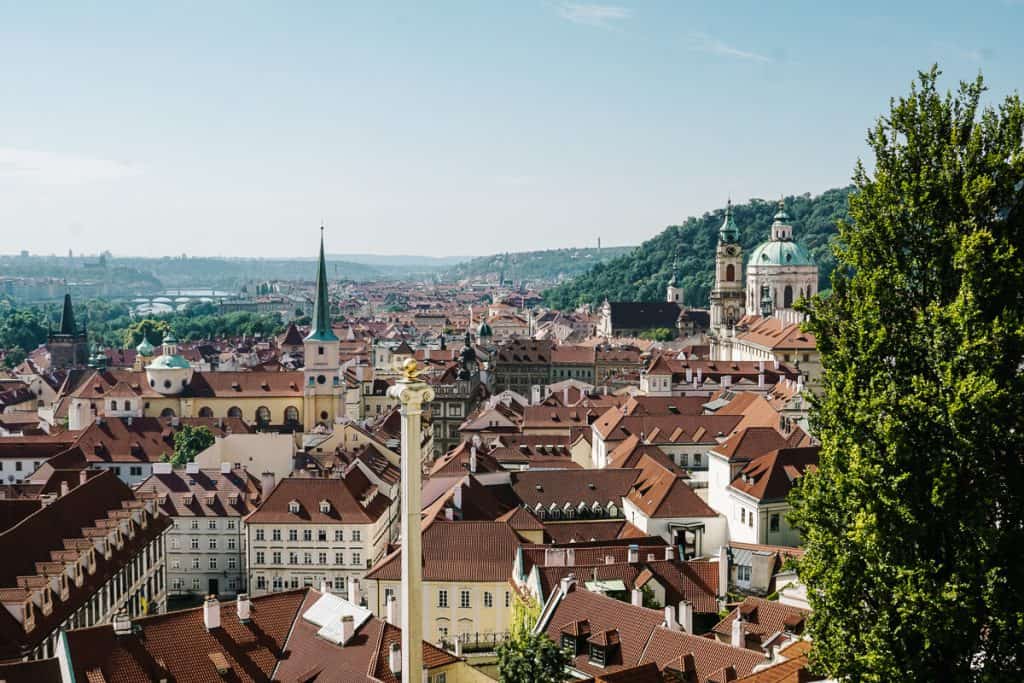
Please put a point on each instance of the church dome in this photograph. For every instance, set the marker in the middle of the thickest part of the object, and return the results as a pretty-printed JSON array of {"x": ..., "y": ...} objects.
[
  {"x": 166, "y": 362},
  {"x": 780, "y": 253},
  {"x": 484, "y": 330},
  {"x": 144, "y": 348}
]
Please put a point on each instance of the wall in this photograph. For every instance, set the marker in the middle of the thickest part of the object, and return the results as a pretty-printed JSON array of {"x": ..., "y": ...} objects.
[{"x": 258, "y": 453}]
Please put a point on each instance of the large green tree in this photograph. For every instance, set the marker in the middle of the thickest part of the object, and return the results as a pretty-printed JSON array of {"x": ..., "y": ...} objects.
[
  {"x": 914, "y": 520},
  {"x": 529, "y": 656},
  {"x": 189, "y": 442}
]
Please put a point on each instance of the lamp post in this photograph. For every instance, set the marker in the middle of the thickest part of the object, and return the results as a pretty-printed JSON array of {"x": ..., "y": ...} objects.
[{"x": 412, "y": 393}]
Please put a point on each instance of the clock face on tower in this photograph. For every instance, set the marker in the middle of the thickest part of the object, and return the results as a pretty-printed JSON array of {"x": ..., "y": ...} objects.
[{"x": 731, "y": 251}]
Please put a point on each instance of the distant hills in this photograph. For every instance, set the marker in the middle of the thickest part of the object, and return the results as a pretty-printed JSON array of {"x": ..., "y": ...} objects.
[
  {"x": 644, "y": 273},
  {"x": 401, "y": 260},
  {"x": 549, "y": 265}
]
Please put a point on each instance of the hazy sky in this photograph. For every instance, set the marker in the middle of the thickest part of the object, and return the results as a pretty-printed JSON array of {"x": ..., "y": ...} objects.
[{"x": 445, "y": 127}]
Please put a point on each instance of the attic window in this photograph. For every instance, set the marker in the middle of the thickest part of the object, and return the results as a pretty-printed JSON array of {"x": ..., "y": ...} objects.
[
  {"x": 325, "y": 506},
  {"x": 293, "y": 506}
]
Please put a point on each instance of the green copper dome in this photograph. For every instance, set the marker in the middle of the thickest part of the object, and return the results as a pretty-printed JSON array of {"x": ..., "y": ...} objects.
[
  {"x": 780, "y": 253},
  {"x": 144, "y": 348},
  {"x": 728, "y": 233},
  {"x": 168, "y": 362}
]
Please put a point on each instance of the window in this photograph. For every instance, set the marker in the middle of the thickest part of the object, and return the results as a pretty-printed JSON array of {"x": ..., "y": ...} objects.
[
  {"x": 307, "y": 558},
  {"x": 339, "y": 583},
  {"x": 773, "y": 523},
  {"x": 17, "y": 465},
  {"x": 293, "y": 506},
  {"x": 278, "y": 583},
  {"x": 195, "y": 523},
  {"x": 597, "y": 655},
  {"x": 113, "y": 405},
  {"x": 442, "y": 598},
  {"x": 263, "y": 415},
  {"x": 339, "y": 535},
  {"x": 293, "y": 558},
  {"x": 195, "y": 583},
  {"x": 696, "y": 459},
  {"x": 389, "y": 593},
  {"x": 322, "y": 557},
  {"x": 357, "y": 535},
  {"x": 195, "y": 563},
  {"x": 259, "y": 534},
  {"x": 260, "y": 557},
  {"x": 339, "y": 558},
  {"x": 195, "y": 543},
  {"x": 135, "y": 470},
  {"x": 212, "y": 525},
  {"x": 356, "y": 559},
  {"x": 175, "y": 564},
  {"x": 275, "y": 535},
  {"x": 441, "y": 678},
  {"x": 276, "y": 557},
  {"x": 743, "y": 572},
  {"x": 232, "y": 562},
  {"x": 261, "y": 583},
  {"x": 750, "y": 519},
  {"x": 684, "y": 460},
  {"x": 291, "y": 415},
  {"x": 178, "y": 584},
  {"x": 488, "y": 599},
  {"x": 213, "y": 563},
  {"x": 743, "y": 515},
  {"x": 174, "y": 544},
  {"x": 307, "y": 535},
  {"x": 213, "y": 544},
  {"x": 293, "y": 534},
  {"x": 508, "y": 599},
  {"x": 464, "y": 599},
  {"x": 321, "y": 535},
  {"x": 231, "y": 525},
  {"x": 232, "y": 542}
]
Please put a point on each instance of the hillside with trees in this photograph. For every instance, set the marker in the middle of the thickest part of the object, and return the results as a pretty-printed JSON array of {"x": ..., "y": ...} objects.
[
  {"x": 549, "y": 265},
  {"x": 644, "y": 273}
]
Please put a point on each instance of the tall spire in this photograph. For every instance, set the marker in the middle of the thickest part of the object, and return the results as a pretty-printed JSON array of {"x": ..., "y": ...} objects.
[
  {"x": 322, "y": 305},
  {"x": 728, "y": 233},
  {"x": 67, "y": 317}
]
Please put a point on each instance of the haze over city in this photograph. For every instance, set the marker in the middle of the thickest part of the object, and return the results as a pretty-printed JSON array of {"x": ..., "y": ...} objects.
[{"x": 450, "y": 128}]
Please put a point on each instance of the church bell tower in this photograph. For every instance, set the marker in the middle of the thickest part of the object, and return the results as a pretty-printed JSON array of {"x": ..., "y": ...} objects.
[
  {"x": 727, "y": 294},
  {"x": 323, "y": 389}
]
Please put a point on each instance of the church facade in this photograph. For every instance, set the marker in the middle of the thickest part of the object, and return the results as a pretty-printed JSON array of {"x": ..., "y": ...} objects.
[{"x": 753, "y": 317}]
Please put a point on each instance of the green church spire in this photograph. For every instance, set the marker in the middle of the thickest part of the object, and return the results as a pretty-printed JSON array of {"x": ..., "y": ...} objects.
[
  {"x": 728, "y": 233},
  {"x": 322, "y": 306},
  {"x": 67, "y": 317}
]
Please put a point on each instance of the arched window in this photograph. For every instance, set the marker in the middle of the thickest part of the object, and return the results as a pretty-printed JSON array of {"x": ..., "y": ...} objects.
[
  {"x": 206, "y": 411},
  {"x": 167, "y": 412},
  {"x": 787, "y": 297},
  {"x": 263, "y": 415},
  {"x": 730, "y": 273},
  {"x": 291, "y": 415},
  {"x": 234, "y": 411}
]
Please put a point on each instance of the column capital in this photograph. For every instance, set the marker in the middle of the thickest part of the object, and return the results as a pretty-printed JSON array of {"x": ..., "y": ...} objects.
[{"x": 412, "y": 393}]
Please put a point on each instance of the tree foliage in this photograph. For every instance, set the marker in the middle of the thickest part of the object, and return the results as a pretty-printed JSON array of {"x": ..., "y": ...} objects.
[
  {"x": 658, "y": 334},
  {"x": 147, "y": 328},
  {"x": 689, "y": 250},
  {"x": 531, "y": 657},
  {"x": 914, "y": 521},
  {"x": 189, "y": 442}
]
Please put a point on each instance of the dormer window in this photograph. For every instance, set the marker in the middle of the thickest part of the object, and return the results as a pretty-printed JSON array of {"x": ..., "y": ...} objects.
[
  {"x": 574, "y": 636},
  {"x": 325, "y": 506},
  {"x": 602, "y": 647},
  {"x": 293, "y": 507}
]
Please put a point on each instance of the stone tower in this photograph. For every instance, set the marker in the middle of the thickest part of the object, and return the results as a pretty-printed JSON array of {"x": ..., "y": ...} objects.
[
  {"x": 323, "y": 390},
  {"x": 69, "y": 347},
  {"x": 727, "y": 294}
]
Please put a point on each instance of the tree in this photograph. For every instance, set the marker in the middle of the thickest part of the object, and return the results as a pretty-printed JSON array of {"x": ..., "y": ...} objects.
[
  {"x": 152, "y": 329},
  {"x": 189, "y": 442},
  {"x": 531, "y": 657},
  {"x": 658, "y": 334},
  {"x": 914, "y": 520}
]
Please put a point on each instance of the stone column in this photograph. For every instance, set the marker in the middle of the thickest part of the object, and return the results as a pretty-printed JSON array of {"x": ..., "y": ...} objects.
[{"x": 412, "y": 393}]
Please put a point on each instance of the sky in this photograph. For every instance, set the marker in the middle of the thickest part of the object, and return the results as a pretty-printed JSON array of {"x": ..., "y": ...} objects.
[{"x": 445, "y": 128}]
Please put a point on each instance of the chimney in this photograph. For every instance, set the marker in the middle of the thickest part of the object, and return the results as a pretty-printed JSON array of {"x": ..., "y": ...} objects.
[
  {"x": 565, "y": 396},
  {"x": 348, "y": 628},
  {"x": 211, "y": 612},
  {"x": 670, "y": 618},
  {"x": 458, "y": 646},
  {"x": 395, "y": 658},
  {"x": 266, "y": 484},
  {"x": 637, "y": 597},
  {"x": 737, "y": 631},
  {"x": 570, "y": 557},
  {"x": 83, "y": 476},
  {"x": 633, "y": 554},
  {"x": 122, "y": 624},
  {"x": 760, "y": 379},
  {"x": 609, "y": 559},
  {"x": 192, "y": 468},
  {"x": 390, "y": 610},
  {"x": 64, "y": 488},
  {"x": 244, "y": 607},
  {"x": 689, "y": 374},
  {"x": 567, "y": 584},
  {"x": 472, "y": 459},
  {"x": 723, "y": 572},
  {"x": 670, "y": 553},
  {"x": 323, "y": 587},
  {"x": 686, "y": 616},
  {"x": 353, "y": 591},
  {"x": 225, "y": 468},
  {"x": 700, "y": 375},
  {"x": 449, "y": 514}
]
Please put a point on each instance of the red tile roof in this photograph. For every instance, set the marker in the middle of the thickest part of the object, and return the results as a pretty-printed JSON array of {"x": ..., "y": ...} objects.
[
  {"x": 459, "y": 551},
  {"x": 342, "y": 494},
  {"x": 762, "y": 619},
  {"x": 771, "y": 476}
]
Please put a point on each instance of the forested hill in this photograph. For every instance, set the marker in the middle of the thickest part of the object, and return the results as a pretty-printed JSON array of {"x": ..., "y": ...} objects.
[
  {"x": 643, "y": 274},
  {"x": 550, "y": 264}
]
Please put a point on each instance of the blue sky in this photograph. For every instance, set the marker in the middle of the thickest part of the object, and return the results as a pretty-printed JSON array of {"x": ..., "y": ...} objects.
[{"x": 217, "y": 128}]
